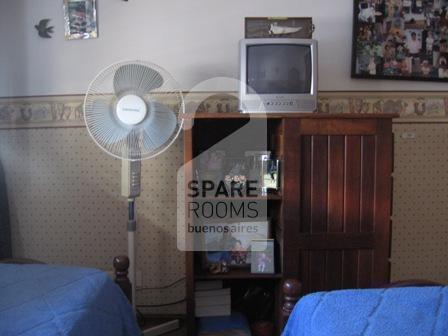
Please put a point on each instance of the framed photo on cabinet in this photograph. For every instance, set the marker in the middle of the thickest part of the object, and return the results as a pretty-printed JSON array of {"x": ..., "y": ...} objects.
[
  {"x": 262, "y": 257},
  {"x": 231, "y": 243}
]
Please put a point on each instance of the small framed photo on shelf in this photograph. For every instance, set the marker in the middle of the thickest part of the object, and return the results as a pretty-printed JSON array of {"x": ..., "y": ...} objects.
[
  {"x": 230, "y": 243},
  {"x": 80, "y": 19},
  {"x": 262, "y": 257}
]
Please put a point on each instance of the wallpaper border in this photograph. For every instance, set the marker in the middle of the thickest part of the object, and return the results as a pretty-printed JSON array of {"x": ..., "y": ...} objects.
[{"x": 67, "y": 110}]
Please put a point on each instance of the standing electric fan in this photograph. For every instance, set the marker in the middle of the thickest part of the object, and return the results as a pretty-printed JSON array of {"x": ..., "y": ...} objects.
[{"x": 133, "y": 111}]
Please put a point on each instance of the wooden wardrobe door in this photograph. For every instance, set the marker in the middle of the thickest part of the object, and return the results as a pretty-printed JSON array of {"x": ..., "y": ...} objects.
[{"x": 343, "y": 182}]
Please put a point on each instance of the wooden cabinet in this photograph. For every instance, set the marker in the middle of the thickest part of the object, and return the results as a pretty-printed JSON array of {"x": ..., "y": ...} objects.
[{"x": 332, "y": 215}]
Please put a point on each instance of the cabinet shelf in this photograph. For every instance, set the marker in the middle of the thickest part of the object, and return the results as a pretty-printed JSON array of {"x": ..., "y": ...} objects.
[{"x": 237, "y": 274}]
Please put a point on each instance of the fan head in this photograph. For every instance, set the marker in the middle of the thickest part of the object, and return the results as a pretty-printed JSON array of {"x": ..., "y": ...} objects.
[{"x": 133, "y": 110}]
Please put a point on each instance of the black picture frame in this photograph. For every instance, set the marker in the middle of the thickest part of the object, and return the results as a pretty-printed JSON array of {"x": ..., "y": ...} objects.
[{"x": 384, "y": 45}]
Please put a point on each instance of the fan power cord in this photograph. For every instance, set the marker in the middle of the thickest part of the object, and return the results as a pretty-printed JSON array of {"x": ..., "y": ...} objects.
[{"x": 163, "y": 287}]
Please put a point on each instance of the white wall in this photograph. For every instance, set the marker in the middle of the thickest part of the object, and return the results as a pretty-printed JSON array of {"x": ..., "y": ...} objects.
[{"x": 195, "y": 40}]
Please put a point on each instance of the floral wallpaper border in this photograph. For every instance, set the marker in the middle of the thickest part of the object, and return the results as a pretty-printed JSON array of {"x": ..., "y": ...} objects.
[{"x": 67, "y": 111}]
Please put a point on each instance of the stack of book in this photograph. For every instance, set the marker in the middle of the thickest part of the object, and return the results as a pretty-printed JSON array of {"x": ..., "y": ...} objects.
[{"x": 212, "y": 299}]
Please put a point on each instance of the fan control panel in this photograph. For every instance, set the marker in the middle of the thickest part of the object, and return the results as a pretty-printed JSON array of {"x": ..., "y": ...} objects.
[{"x": 131, "y": 178}]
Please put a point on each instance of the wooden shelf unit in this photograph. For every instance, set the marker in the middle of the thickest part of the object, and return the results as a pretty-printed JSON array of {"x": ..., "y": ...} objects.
[{"x": 331, "y": 220}]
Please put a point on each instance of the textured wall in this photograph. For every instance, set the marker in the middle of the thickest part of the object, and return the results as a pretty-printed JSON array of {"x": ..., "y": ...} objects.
[
  {"x": 420, "y": 225},
  {"x": 66, "y": 206}
]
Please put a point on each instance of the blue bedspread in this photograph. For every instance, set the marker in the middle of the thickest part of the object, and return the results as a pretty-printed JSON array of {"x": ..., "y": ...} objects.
[
  {"x": 375, "y": 312},
  {"x": 55, "y": 300}
]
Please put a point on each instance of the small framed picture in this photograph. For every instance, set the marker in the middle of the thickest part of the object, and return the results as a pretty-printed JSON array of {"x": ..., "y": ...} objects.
[
  {"x": 262, "y": 257},
  {"x": 80, "y": 19},
  {"x": 230, "y": 243},
  {"x": 281, "y": 27}
]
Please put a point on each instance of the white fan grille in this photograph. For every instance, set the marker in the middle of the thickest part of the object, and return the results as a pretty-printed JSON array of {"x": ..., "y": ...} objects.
[{"x": 163, "y": 99}]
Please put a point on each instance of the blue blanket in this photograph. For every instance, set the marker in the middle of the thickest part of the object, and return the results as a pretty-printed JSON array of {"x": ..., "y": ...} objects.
[
  {"x": 55, "y": 300},
  {"x": 374, "y": 312}
]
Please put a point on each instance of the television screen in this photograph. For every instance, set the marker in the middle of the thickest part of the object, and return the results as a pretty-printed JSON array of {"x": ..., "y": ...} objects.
[{"x": 279, "y": 69}]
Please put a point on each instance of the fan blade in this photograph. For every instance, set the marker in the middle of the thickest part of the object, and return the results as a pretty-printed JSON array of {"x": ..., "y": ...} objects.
[
  {"x": 136, "y": 78},
  {"x": 103, "y": 126},
  {"x": 160, "y": 127}
]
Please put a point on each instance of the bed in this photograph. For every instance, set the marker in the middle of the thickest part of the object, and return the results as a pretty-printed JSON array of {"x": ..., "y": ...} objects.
[
  {"x": 50, "y": 300},
  {"x": 410, "y": 311}
]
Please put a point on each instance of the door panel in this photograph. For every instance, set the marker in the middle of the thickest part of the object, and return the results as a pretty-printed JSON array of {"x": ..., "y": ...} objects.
[{"x": 341, "y": 231}]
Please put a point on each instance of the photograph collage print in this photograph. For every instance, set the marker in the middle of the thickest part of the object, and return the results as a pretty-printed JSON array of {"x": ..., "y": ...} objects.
[{"x": 402, "y": 39}]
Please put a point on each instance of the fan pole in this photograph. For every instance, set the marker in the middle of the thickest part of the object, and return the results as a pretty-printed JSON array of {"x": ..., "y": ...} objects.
[{"x": 132, "y": 228}]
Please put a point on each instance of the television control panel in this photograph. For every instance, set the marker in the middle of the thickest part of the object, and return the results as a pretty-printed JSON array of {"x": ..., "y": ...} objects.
[{"x": 278, "y": 106}]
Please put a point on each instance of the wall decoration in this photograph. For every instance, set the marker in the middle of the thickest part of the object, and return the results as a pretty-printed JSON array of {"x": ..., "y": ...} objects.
[
  {"x": 400, "y": 39},
  {"x": 80, "y": 19},
  {"x": 267, "y": 27},
  {"x": 67, "y": 111},
  {"x": 41, "y": 112},
  {"x": 43, "y": 30}
]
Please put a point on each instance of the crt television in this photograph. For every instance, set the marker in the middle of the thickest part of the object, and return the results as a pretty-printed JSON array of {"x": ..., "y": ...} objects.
[{"x": 278, "y": 75}]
